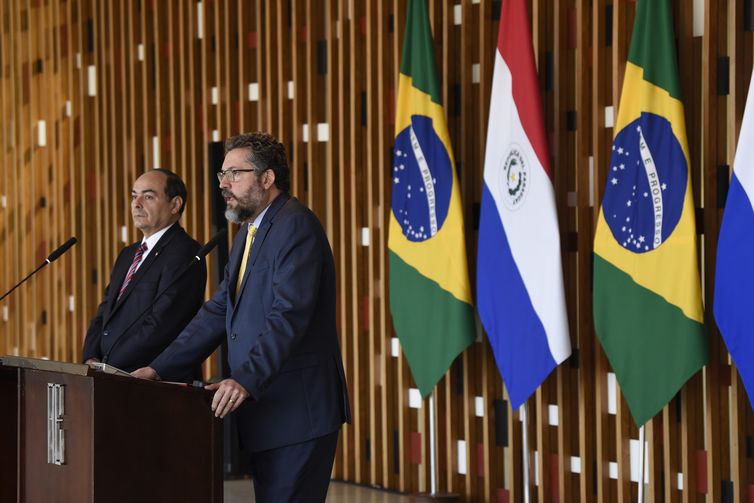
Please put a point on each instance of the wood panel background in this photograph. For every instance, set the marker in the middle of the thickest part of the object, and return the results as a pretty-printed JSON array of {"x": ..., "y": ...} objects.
[{"x": 92, "y": 93}]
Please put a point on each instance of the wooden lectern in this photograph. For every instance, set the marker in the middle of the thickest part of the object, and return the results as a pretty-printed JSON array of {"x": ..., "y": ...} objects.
[{"x": 69, "y": 433}]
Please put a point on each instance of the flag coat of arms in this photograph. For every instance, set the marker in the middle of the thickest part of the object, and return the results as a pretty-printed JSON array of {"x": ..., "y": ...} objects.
[
  {"x": 734, "y": 276},
  {"x": 647, "y": 297},
  {"x": 430, "y": 295},
  {"x": 520, "y": 293}
]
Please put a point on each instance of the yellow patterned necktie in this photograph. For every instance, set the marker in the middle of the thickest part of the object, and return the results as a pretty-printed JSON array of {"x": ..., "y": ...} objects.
[{"x": 242, "y": 271}]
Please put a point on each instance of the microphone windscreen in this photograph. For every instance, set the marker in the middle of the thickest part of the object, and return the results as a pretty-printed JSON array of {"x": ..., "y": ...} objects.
[
  {"x": 62, "y": 249},
  {"x": 204, "y": 250}
]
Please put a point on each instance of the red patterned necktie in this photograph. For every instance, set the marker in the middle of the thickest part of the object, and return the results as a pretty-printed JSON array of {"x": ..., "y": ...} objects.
[{"x": 137, "y": 259}]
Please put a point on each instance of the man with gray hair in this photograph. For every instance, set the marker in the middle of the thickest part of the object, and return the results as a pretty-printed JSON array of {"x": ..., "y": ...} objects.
[{"x": 276, "y": 307}]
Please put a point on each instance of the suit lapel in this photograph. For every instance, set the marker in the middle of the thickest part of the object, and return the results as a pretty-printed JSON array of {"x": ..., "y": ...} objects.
[
  {"x": 153, "y": 256},
  {"x": 254, "y": 252},
  {"x": 259, "y": 239},
  {"x": 236, "y": 255},
  {"x": 120, "y": 269}
]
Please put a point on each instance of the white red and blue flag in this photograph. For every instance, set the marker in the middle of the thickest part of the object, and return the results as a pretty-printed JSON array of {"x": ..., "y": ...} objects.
[{"x": 520, "y": 294}]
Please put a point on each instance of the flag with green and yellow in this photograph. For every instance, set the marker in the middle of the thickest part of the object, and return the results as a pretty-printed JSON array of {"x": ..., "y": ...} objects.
[
  {"x": 430, "y": 295},
  {"x": 647, "y": 298}
]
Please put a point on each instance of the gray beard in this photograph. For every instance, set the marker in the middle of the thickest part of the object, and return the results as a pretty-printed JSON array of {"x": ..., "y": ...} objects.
[{"x": 238, "y": 215}]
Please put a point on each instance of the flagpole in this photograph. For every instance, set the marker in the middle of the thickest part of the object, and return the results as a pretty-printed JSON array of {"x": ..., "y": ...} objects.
[
  {"x": 433, "y": 494},
  {"x": 432, "y": 448},
  {"x": 525, "y": 449},
  {"x": 642, "y": 453}
]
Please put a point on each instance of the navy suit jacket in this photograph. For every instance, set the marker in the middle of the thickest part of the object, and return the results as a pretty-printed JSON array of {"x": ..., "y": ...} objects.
[
  {"x": 282, "y": 339},
  {"x": 169, "y": 314}
]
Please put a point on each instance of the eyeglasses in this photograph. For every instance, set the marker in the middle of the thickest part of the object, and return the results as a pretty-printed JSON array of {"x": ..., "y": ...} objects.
[{"x": 233, "y": 174}]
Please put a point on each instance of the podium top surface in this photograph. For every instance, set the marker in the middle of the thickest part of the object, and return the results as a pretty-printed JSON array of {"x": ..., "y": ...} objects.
[{"x": 48, "y": 365}]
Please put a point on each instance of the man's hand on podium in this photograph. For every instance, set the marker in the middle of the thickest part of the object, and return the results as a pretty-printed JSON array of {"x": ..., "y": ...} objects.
[
  {"x": 229, "y": 395},
  {"x": 146, "y": 373}
]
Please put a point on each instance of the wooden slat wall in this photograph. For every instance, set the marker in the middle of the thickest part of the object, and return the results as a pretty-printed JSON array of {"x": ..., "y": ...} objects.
[{"x": 93, "y": 93}]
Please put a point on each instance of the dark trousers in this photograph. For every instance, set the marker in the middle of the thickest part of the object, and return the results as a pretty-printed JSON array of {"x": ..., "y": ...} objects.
[{"x": 298, "y": 473}]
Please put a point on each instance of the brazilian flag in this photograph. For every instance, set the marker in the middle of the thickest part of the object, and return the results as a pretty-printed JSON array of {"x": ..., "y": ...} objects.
[
  {"x": 647, "y": 298},
  {"x": 430, "y": 295}
]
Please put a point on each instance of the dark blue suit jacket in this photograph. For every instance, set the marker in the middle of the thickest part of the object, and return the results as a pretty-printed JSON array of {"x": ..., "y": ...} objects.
[
  {"x": 168, "y": 315},
  {"x": 282, "y": 339}
]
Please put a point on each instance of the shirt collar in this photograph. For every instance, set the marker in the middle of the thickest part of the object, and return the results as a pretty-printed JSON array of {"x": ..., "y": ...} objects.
[
  {"x": 258, "y": 221},
  {"x": 152, "y": 240}
]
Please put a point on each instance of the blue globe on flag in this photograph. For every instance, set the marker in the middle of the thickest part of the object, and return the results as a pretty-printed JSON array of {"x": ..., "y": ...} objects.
[
  {"x": 422, "y": 180},
  {"x": 646, "y": 184}
]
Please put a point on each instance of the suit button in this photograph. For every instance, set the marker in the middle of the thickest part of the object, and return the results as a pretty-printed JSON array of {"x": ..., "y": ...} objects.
[
  {"x": 106, "y": 333},
  {"x": 233, "y": 336}
]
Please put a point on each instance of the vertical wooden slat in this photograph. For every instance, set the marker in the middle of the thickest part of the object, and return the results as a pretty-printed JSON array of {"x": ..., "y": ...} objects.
[
  {"x": 298, "y": 111},
  {"x": 13, "y": 193},
  {"x": 106, "y": 86},
  {"x": 586, "y": 194},
  {"x": 739, "y": 84},
  {"x": 714, "y": 401},
  {"x": 488, "y": 478},
  {"x": 653, "y": 431},
  {"x": 367, "y": 224},
  {"x": 384, "y": 447},
  {"x": 128, "y": 58},
  {"x": 6, "y": 176},
  {"x": 671, "y": 452},
  {"x": 356, "y": 163},
  {"x": 26, "y": 125},
  {"x": 491, "y": 469},
  {"x": 345, "y": 119},
  {"x": 406, "y": 480},
  {"x": 565, "y": 126},
  {"x": 600, "y": 157},
  {"x": 621, "y": 35}
]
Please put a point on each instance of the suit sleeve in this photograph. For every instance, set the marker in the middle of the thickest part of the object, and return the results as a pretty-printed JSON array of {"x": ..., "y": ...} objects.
[
  {"x": 197, "y": 340},
  {"x": 297, "y": 271},
  {"x": 174, "y": 309}
]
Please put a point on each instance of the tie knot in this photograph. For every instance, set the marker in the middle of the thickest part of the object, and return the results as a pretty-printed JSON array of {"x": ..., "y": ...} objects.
[
  {"x": 144, "y": 247},
  {"x": 252, "y": 231}
]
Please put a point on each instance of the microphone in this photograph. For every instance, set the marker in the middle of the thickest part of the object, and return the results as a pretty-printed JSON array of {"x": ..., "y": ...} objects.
[
  {"x": 61, "y": 250},
  {"x": 51, "y": 258},
  {"x": 204, "y": 250},
  {"x": 200, "y": 254}
]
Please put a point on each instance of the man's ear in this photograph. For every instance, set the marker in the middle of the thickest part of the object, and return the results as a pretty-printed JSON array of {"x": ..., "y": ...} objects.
[
  {"x": 175, "y": 205},
  {"x": 269, "y": 179}
]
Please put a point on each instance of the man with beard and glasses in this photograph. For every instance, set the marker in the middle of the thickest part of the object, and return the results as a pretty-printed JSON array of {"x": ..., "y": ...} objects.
[
  {"x": 133, "y": 324},
  {"x": 276, "y": 308}
]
